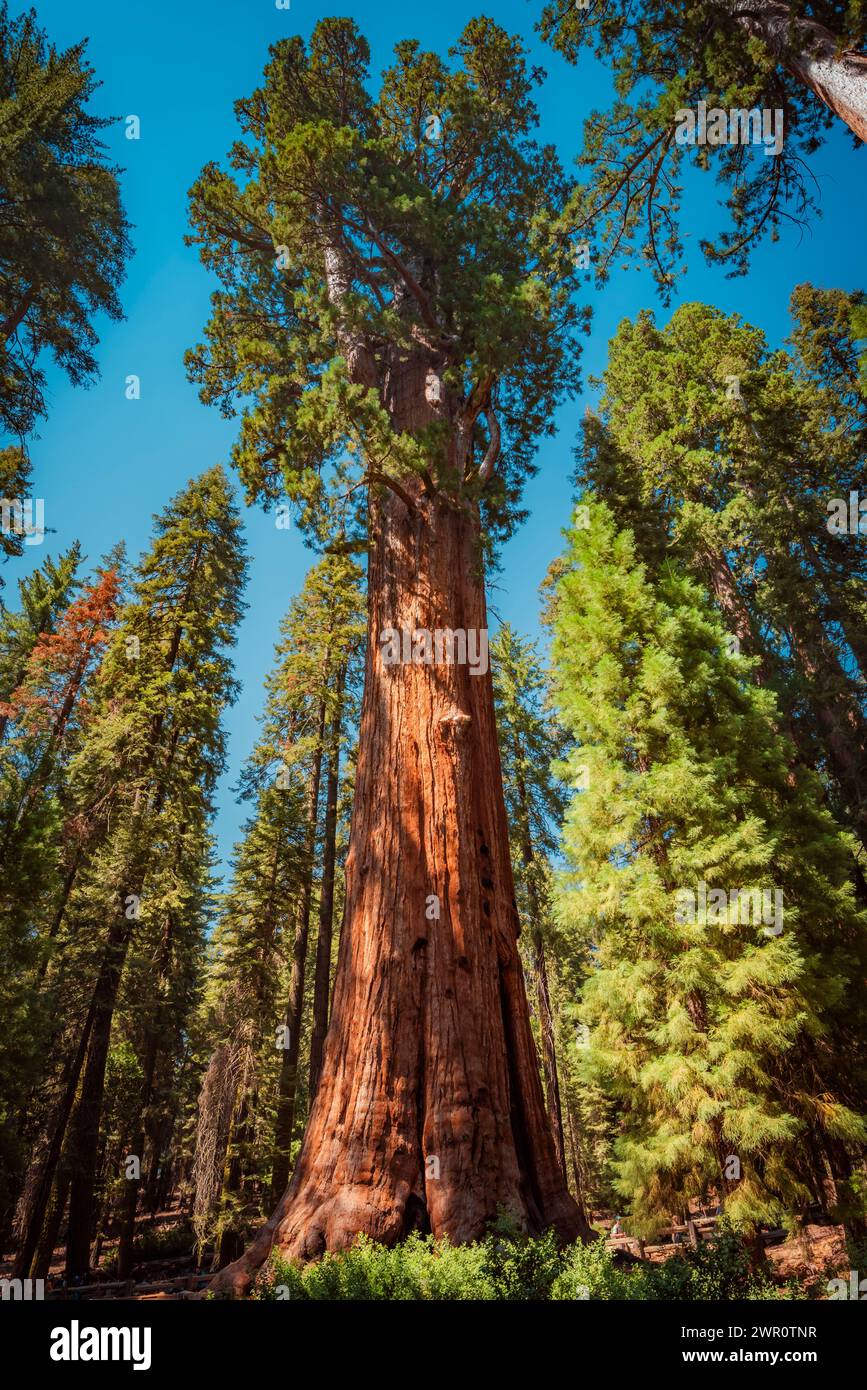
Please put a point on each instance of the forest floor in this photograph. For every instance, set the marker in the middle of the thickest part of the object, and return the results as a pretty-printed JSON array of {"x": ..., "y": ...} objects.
[
  {"x": 819, "y": 1250},
  {"x": 165, "y": 1231},
  {"x": 809, "y": 1255}
]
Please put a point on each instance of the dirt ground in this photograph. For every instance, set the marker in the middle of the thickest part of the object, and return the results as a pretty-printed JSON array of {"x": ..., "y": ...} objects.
[{"x": 816, "y": 1250}]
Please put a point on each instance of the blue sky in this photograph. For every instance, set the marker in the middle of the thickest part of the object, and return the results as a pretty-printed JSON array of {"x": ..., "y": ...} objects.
[{"x": 104, "y": 464}]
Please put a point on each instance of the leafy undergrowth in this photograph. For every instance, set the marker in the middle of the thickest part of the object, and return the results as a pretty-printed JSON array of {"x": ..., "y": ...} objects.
[
  {"x": 508, "y": 1266},
  {"x": 168, "y": 1243}
]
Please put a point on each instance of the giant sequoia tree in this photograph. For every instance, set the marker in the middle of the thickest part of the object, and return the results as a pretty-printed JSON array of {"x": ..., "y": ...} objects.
[{"x": 395, "y": 319}]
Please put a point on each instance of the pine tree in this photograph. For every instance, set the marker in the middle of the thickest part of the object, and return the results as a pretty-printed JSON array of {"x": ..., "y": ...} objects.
[
  {"x": 48, "y": 706},
  {"x": 530, "y": 741},
  {"x": 858, "y": 327},
  {"x": 730, "y": 455},
  {"x": 253, "y": 939},
  {"x": 14, "y": 477},
  {"x": 777, "y": 56},
  {"x": 64, "y": 238},
  {"x": 47, "y": 654},
  {"x": 46, "y": 714},
  {"x": 143, "y": 783},
  {"x": 42, "y": 595},
  {"x": 732, "y": 1048},
  {"x": 160, "y": 991},
  {"x": 311, "y": 699},
  {"x": 320, "y": 644}
]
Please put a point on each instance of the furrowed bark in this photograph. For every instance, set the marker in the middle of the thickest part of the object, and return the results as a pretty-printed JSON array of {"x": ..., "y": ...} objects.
[
  {"x": 812, "y": 54},
  {"x": 549, "y": 1053},
  {"x": 430, "y": 1112},
  {"x": 718, "y": 573}
]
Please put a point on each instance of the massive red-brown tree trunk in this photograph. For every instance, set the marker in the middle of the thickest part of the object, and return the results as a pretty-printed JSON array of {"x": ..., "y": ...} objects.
[{"x": 429, "y": 1113}]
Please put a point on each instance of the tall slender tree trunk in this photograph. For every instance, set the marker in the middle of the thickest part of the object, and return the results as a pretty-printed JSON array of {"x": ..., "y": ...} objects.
[
  {"x": 166, "y": 1178},
  {"x": 162, "y": 1130},
  {"x": 577, "y": 1177},
  {"x": 129, "y": 1204},
  {"x": 288, "y": 1083},
  {"x": 62, "y": 904},
  {"x": 84, "y": 1137},
  {"x": 718, "y": 573},
  {"x": 549, "y": 1047},
  {"x": 36, "y": 779},
  {"x": 231, "y": 1242},
  {"x": 151, "y": 1055},
  {"x": 843, "y": 1173},
  {"x": 53, "y": 1219},
  {"x": 322, "y": 977},
  {"x": 837, "y": 606},
  {"x": 812, "y": 54},
  {"x": 84, "y": 1127},
  {"x": 540, "y": 969},
  {"x": 837, "y": 713},
  {"x": 36, "y": 1197},
  {"x": 430, "y": 1112}
]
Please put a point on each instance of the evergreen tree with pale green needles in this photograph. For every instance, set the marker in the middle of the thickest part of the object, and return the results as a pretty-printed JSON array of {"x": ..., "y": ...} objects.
[
  {"x": 64, "y": 239},
  {"x": 733, "y": 1046}
]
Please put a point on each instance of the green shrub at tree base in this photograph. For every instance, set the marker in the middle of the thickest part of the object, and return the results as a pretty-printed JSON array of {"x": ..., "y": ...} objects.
[
  {"x": 513, "y": 1267},
  {"x": 170, "y": 1243}
]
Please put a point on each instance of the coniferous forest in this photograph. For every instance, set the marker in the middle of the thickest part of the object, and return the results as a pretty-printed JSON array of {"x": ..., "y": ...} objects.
[{"x": 393, "y": 908}]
